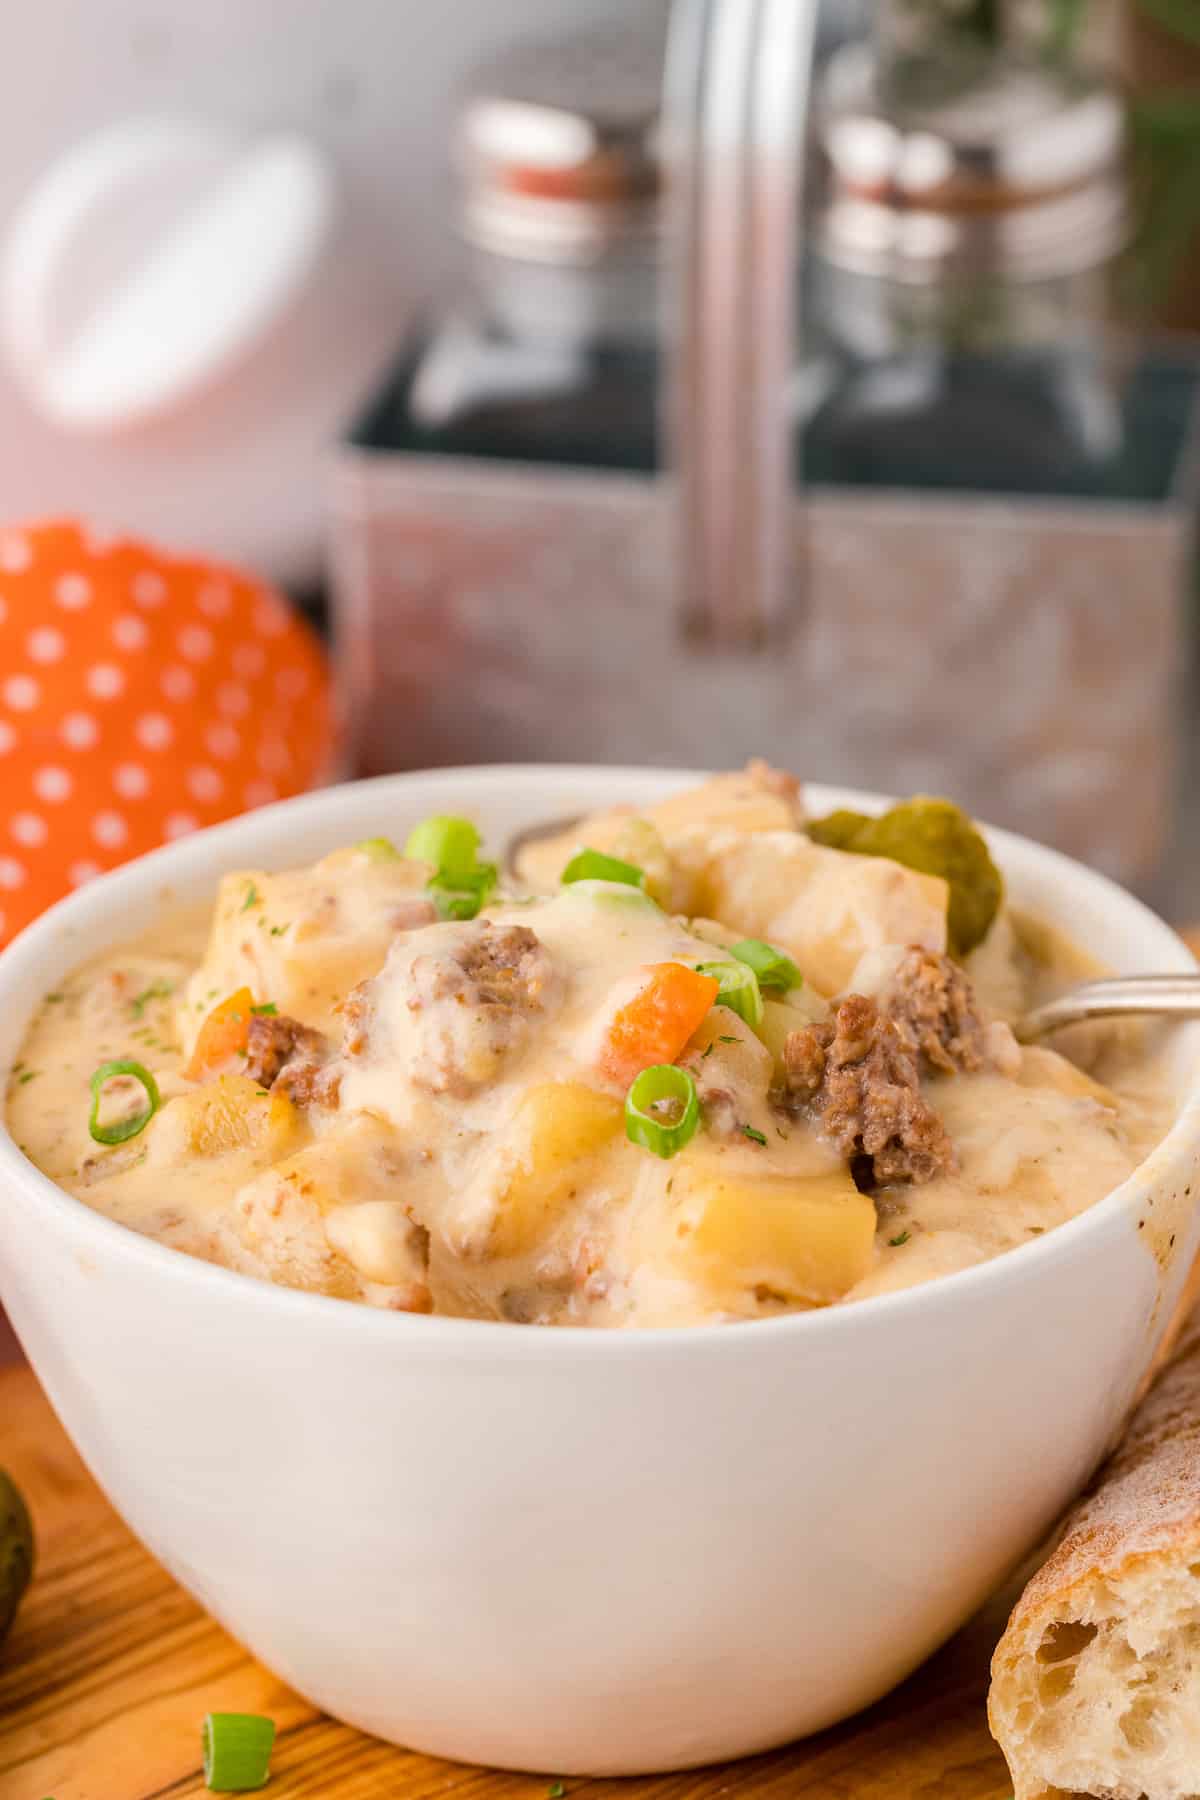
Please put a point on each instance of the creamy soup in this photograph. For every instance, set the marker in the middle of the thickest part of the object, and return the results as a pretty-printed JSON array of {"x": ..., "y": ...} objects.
[{"x": 695, "y": 1064}]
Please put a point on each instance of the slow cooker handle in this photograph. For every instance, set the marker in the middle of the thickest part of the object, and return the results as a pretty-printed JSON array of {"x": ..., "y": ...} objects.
[{"x": 738, "y": 81}]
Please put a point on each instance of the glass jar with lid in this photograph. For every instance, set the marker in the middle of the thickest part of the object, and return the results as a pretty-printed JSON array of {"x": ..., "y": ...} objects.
[
  {"x": 547, "y": 353},
  {"x": 969, "y": 214}
]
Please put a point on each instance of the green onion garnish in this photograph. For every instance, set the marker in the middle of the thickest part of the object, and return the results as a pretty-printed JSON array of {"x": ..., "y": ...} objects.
[
  {"x": 460, "y": 884},
  {"x": 593, "y": 865},
  {"x": 451, "y": 845},
  {"x": 460, "y": 896},
  {"x": 772, "y": 967},
  {"x": 124, "y": 1129},
  {"x": 738, "y": 990},
  {"x": 662, "y": 1110},
  {"x": 268, "y": 1008},
  {"x": 237, "y": 1751},
  {"x": 379, "y": 849}
]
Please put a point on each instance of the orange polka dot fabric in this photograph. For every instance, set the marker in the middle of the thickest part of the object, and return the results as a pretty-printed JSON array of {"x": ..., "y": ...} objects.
[{"x": 142, "y": 696}]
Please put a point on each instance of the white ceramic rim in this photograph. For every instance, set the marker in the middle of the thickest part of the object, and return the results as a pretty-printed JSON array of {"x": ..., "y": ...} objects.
[{"x": 234, "y": 843}]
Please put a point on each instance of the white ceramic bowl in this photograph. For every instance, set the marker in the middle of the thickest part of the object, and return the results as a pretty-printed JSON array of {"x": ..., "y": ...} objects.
[{"x": 573, "y": 1551}]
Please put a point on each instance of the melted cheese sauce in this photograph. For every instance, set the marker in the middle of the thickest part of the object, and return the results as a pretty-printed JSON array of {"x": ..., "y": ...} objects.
[{"x": 474, "y": 1159}]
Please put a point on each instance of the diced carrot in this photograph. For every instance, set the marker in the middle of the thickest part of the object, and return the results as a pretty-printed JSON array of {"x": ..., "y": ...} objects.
[
  {"x": 655, "y": 1025},
  {"x": 223, "y": 1034}
]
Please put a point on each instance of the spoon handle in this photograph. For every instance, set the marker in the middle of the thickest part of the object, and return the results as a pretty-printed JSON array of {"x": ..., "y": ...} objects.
[{"x": 1177, "y": 996}]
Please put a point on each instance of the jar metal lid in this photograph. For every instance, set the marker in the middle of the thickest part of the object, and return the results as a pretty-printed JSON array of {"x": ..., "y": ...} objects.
[
  {"x": 1003, "y": 165},
  {"x": 557, "y": 148}
]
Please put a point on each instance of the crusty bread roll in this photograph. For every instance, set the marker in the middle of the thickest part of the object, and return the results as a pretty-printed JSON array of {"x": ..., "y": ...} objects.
[{"x": 1096, "y": 1682}]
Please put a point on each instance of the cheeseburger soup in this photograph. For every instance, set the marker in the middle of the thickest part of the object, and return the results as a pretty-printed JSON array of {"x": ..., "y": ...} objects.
[{"x": 713, "y": 1061}]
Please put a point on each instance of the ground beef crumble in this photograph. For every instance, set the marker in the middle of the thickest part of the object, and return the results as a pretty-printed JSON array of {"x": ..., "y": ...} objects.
[
  {"x": 497, "y": 966},
  {"x": 273, "y": 1041},
  {"x": 292, "y": 1059},
  {"x": 933, "y": 1003},
  {"x": 472, "y": 1001},
  {"x": 858, "y": 1075}
]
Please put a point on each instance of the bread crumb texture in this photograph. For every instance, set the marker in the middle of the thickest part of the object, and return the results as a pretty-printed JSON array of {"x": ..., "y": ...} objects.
[{"x": 1096, "y": 1682}]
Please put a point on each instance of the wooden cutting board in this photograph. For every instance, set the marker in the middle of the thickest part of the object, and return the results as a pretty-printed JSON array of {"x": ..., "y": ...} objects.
[{"x": 111, "y": 1667}]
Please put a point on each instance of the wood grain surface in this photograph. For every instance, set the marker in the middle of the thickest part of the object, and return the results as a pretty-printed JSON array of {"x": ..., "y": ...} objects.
[{"x": 111, "y": 1667}]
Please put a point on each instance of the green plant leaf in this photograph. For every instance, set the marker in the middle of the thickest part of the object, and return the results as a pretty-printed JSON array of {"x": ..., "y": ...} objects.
[
  {"x": 1179, "y": 18},
  {"x": 1166, "y": 116},
  {"x": 1064, "y": 24}
]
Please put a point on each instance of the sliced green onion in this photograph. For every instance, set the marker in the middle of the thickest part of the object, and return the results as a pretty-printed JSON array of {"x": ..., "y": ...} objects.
[
  {"x": 662, "y": 1110},
  {"x": 773, "y": 968},
  {"x": 451, "y": 845},
  {"x": 738, "y": 990},
  {"x": 593, "y": 865},
  {"x": 124, "y": 1129},
  {"x": 460, "y": 896},
  {"x": 613, "y": 893},
  {"x": 266, "y": 1009},
  {"x": 237, "y": 1751},
  {"x": 379, "y": 849}
]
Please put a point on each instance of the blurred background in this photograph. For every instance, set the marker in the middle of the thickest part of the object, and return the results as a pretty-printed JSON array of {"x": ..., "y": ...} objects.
[{"x": 387, "y": 385}]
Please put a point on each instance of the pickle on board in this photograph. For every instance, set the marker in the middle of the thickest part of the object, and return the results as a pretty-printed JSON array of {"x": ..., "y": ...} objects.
[{"x": 16, "y": 1551}]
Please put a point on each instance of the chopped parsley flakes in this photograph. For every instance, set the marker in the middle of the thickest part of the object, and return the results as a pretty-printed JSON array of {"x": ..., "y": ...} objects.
[
  {"x": 755, "y": 1136},
  {"x": 158, "y": 990},
  {"x": 897, "y": 1241}
]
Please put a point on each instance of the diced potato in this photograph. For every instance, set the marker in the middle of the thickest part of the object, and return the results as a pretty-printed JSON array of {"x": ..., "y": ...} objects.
[
  {"x": 557, "y": 1129},
  {"x": 824, "y": 907},
  {"x": 334, "y": 1214},
  {"x": 303, "y": 938},
  {"x": 641, "y": 843},
  {"x": 380, "y": 1240},
  {"x": 666, "y": 840},
  {"x": 731, "y": 1053},
  {"x": 232, "y": 1113},
  {"x": 805, "y": 1238},
  {"x": 738, "y": 801},
  {"x": 781, "y": 1017}
]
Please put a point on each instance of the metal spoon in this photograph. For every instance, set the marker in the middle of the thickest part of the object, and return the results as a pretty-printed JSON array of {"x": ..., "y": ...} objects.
[
  {"x": 1177, "y": 996},
  {"x": 533, "y": 834}
]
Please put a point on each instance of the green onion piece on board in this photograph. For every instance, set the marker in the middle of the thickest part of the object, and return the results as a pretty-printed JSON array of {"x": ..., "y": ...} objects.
[
  {"x": 772, "y": 967},
  {"x": 237, "y": 1751},
  {"x": 738, "y": 990},
  {"x": 379, "y": 849},
  {"x": 124, "y": 1129},
  {"x": 593, "y": 865},
  {"x": 662, "y": 1111},
  {"x": 450, "y": 844}
]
